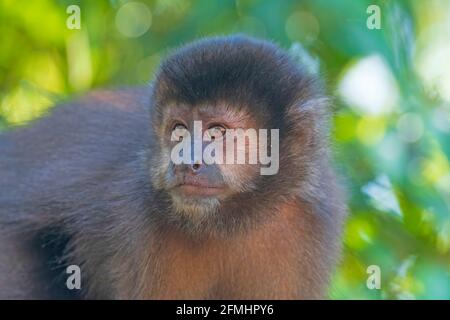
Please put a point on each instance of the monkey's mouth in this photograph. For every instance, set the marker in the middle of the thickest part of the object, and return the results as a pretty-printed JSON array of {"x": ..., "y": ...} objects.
[{"x": 196, "y": 189}]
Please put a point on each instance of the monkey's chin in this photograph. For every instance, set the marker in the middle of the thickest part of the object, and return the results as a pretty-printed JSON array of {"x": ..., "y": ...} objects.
[{"x": 195, "y": 204}]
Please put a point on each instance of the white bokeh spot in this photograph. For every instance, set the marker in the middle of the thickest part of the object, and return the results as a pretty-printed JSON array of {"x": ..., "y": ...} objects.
[
  {"x": 369, "y": 87},
  {"x": 133, "y": 19}
]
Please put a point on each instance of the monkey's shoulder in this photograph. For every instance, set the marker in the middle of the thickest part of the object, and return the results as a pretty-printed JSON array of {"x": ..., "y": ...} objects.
[
  {"x": 100, "y": 118},
  {"x": 88, "y": 137}
]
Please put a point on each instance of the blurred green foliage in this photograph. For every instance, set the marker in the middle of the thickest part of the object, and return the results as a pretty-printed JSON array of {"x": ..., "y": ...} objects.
[{"x": 392, "y": 110}]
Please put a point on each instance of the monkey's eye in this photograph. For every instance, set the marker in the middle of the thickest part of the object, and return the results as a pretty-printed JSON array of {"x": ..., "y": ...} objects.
[
  {"x": 216, "y": 132},
  {"x": 179, "y": 131}
]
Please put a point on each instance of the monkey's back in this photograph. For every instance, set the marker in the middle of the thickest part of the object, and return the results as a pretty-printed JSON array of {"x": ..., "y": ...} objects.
[
  {"x": 80, "y": 138},
  {"x": 53, "y": 166}
]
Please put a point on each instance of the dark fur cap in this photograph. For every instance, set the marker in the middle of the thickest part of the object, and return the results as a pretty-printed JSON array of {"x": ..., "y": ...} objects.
[{"x": 239, "y": 70}]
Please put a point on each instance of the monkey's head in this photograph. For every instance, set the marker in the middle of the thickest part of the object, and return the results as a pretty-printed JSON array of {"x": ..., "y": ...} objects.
[{"x": 238, "y": 126}]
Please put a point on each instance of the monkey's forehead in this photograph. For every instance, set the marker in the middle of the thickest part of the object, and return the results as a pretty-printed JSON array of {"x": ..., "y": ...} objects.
[
  {"x": 239, "y": 70},
  {"x": 221, "y": 112}
]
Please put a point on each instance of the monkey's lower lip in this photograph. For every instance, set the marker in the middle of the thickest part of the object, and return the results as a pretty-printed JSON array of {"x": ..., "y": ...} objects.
[{"x": 200, "y": 190}]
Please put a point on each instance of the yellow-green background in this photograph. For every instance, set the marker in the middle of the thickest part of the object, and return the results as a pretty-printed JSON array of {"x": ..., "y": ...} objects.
[{"x": 394, "y": 161}]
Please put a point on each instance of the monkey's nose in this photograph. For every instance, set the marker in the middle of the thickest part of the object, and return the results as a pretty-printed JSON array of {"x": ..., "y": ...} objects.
[{"x": 196, "y": 167}]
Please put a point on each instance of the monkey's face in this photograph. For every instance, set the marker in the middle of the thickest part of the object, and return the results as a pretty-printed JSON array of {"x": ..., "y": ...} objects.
[
  {"x": 204, "y": 91},
  {"x": 206, "y": 157}
]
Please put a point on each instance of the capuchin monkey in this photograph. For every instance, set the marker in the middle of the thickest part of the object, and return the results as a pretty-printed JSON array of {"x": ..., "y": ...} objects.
[{"x": 94, "y": 184}]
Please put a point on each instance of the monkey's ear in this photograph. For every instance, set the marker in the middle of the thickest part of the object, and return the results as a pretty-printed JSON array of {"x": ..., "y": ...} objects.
[
  {"x": 160, "y": 89},
  {"x": 314, "y": 108},
  {"x": 308, "y": 120}
]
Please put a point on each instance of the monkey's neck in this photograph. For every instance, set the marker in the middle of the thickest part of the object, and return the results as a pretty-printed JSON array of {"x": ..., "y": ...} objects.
[{"x": 260, "y": 263}]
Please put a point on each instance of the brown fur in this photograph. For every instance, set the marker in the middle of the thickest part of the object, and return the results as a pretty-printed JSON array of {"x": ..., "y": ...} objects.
[{"x": 248, "y": 265}]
